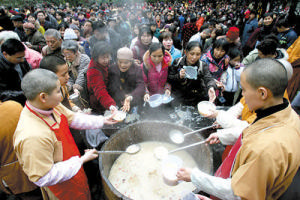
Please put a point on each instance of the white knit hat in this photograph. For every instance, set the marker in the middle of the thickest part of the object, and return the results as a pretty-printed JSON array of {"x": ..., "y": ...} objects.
[
  {"x": 125, "y": 53},
  {"x": 70, "y": 34}
]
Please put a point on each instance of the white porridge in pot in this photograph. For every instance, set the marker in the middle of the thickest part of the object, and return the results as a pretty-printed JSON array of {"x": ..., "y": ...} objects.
[{"x": 140, "y": 176}]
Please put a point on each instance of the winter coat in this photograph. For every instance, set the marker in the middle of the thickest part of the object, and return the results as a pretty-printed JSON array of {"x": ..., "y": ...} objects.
[
  {"x": 97, "y": 81},
  {"x": 258, "y": 35},
  {"x": 77, "y": 69},
  {"x": 175, "y": 53},
  {"x": 47, "y": 25},
  {"x": 294, "y": 51},
  {"x": 86, "y": 46},
  {"x": 190, "y": 91},
  {"x": 250, "y": 26},
  {"x": 37, "y": 41},
  {"x": 216, "y": 69},
  {"x": 10, "y": 80},
  {"x": 33, "y": 57},
  {"x": 129, "y": 83},
  {"x": 287, "y": 38},
  {"x": 139, "y": 50},
  {"x": 232, "y": 78},
  {"x": 6, "y": 23},
  {"x": 156, "y": 82},
  {"x": 21, "y": 33},
  {"x": 47, "y": 51},
  {"x": 253, "y": 56},
  {"x": 188, "y": 31}
]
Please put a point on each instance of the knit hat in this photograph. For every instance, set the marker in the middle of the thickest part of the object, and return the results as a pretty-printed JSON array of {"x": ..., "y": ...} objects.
[
  {"x": 125, "y": 53},
  {"x": 233, "y": 33},
  {"x": 28, "y": 25},
  {"x": 70, "y": 34}
]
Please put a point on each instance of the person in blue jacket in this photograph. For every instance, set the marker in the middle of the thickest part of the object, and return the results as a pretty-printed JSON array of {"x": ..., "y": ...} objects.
[
  {"x": 166, "y": 39},
  {"x": 250, "y": 26},
  {"x": 286, "y": 35}
]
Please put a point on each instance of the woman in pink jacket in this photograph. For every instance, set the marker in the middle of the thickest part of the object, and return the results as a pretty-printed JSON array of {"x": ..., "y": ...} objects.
[{"x": 156, "y": 62}]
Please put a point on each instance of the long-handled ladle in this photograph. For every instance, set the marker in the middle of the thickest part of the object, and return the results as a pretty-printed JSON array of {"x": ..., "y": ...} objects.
[
  {"x": 132, "y": 149},
  {"x": 178, "y": 137},
  {"x": 162, "y": 152}
]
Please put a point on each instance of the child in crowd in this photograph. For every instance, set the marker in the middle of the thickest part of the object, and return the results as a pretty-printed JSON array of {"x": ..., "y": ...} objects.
[{"x": 231, "y": 78}]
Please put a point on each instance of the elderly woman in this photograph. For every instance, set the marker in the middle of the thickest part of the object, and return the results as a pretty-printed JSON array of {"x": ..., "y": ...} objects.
[
  {"x": 77, "y": 62},
  {"x": 126, "y": 83},
  {"x": 35, "y": 40}
]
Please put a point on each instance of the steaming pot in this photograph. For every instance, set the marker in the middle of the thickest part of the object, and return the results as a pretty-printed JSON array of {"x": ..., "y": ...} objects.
[{"x": 148, "y": 131}]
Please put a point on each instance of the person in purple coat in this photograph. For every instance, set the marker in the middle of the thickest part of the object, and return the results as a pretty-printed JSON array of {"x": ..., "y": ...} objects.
[{"x": 126, "y": 83}]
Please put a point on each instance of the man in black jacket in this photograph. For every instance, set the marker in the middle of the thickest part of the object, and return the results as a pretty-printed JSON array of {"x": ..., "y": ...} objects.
[
  {"x": 18, "y": 24},
  {"x": 13, "y": 68}
]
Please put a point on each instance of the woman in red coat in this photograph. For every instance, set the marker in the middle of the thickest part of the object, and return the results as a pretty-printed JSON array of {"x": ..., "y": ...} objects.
[{"x": 97, "y": 79}]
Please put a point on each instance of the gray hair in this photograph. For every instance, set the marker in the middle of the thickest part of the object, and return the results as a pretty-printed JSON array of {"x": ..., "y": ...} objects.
[
  {"x": 268, "y": 73},
  {"x": 5, "y": 35},
  {"x": 37, "y": 81},
  {"x": 70, "y": 45},
  {"x": 53, "y": 33}
]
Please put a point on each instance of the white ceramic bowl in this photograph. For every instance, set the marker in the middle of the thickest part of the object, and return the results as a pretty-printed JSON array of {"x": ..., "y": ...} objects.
[
  {"x": 170, "y": 166},
  {"x": 206, "y": 108},
  {"x": 119, "y": 116}
]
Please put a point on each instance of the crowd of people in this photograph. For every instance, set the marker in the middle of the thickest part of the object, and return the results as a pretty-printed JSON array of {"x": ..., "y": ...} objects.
[{"x": 115, "y": 57}]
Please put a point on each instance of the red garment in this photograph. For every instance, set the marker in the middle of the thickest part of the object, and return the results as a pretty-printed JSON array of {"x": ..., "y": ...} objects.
[
  {"x": 188, "y": 31},
  {"x": 247, "y": 14},
  {"x": 76, "y": 187},
  {"x": 199, "y": 23},
  {"x": 97, "y": 80},
  {"x": 224, "y": 171},
  {"x": 156, "y": 82}
]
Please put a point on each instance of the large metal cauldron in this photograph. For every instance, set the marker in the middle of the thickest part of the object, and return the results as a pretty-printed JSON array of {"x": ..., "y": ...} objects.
[{"x": 148, "y": 131}]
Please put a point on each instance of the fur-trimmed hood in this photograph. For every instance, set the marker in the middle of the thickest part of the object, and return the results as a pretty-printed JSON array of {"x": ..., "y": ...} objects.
[{"x": 167, "y": 60}]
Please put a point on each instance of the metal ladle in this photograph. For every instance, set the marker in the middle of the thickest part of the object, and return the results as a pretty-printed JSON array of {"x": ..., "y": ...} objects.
[
  {"x": 132, "y": 149},
  {"x": 162, "y": 152},
  {"x": 178, "y": 137}
]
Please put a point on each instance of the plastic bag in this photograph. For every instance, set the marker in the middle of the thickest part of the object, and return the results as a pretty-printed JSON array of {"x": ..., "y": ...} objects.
[
  {"x": 191, "y": 72},
  {"x": 95, "y": 137}
]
